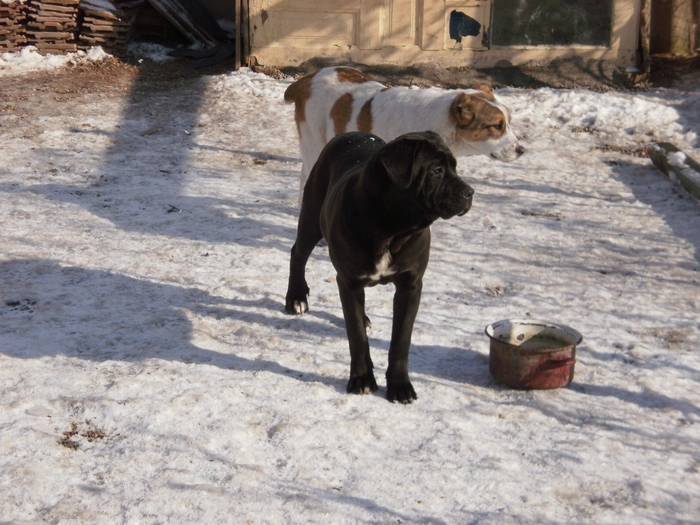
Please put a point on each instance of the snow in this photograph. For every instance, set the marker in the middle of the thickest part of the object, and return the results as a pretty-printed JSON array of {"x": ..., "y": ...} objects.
[
  {"x": 148, "y": 373},
  {"x": 677, "y": 159},
  {"x": 148, "y": 51},
  {"x": 30, "y": 60}
]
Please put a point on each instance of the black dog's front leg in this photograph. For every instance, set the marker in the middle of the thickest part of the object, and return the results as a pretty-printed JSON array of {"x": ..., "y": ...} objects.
[
  {"x": 352, "y": 297},
  {"x": 406, "y": 303},
  {"x": 308, "y": 234},
  {"x": 296, "y": 302}
]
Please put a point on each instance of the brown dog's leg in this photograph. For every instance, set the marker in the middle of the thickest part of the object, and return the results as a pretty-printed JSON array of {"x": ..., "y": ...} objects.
[
  {"x": 352, "y": 297},
  {"x": 406, "y": 303}
]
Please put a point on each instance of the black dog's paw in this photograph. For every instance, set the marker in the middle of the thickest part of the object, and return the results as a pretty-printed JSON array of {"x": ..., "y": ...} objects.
[
  {"x": 296, "y": 302},
  {"x": 297, "y": 306},
  {"x": 364, "y": 384},
  {"x": 402, "y": 392}
]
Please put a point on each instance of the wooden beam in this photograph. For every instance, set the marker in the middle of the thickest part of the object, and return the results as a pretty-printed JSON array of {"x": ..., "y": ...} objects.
[
  {"x": 239, "y": 34},
  {"x": 678, "y": 166}
]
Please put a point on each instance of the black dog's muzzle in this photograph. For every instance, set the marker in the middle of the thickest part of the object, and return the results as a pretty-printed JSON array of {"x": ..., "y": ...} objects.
[{"x": 467, "y": 193}]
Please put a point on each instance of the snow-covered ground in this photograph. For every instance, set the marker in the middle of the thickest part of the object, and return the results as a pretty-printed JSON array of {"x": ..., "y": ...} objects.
[
  {"x": 29, "y": 60},
  {"x": 148, "y": 373}
]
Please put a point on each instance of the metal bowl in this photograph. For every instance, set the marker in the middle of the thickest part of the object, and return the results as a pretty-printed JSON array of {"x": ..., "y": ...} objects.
[{"x": 525, "y": 353}]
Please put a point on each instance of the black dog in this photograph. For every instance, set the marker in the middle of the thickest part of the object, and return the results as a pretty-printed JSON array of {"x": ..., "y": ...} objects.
[{"x": 374, "y": 203}]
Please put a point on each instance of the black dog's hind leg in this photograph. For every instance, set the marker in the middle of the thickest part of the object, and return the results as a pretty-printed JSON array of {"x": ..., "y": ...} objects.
[
  {"x": 352, "y": 297},
  {"x": 308, "y": 235},
  {"x": 406, "y": 303}
]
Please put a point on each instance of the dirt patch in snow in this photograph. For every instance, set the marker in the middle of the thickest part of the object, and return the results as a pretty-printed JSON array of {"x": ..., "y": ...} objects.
[
  {"x": 31, "y": 94},
  {"x": 567, "y": 73}
]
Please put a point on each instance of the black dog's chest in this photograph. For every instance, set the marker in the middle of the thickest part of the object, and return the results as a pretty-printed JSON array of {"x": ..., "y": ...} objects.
[
  {"x": 405, "y": 253},
  {"x": 383, "y": 270}
]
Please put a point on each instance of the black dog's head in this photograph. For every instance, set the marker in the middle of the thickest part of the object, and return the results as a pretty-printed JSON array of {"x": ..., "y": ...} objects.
[{"x": 423, "y": 171}]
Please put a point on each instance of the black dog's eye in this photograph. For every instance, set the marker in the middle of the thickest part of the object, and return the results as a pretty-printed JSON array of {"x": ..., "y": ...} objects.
[{"x": 437, "y": 171}]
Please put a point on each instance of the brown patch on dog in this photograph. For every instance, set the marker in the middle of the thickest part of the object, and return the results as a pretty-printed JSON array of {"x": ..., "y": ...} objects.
[
  {"x": 348, "y": 74},
  {"x": 488, "y": 94},
  {"x": 476, "y": 119},
  {"x": 364, "y": 118},
  {"x": 341, "y": 113},
  {"x": 299, "y": 92}
]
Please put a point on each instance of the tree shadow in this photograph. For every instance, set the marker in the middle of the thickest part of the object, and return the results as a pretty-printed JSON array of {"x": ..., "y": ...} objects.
[
  {"x": 247, "y": 223},
  {"x": 677, "y": 209},
  {"x": 48, "y": 309},
  {"x": 646, "y": 400},
  {"x": 141, "y": 180}
]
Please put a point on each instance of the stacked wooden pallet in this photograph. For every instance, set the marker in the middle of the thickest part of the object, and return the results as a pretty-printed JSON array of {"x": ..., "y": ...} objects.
[
  {"x": 52, "y": 25},
  {"x": 108, "y": 23},
  {"x": 12, "y": 28}
]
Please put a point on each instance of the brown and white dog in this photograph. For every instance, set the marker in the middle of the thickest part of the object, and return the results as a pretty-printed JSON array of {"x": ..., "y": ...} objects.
[{"x": 335, "y": 100}]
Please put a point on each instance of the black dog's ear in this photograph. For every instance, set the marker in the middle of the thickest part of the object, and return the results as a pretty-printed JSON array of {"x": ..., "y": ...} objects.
[
  {"x": 397, "y": 157},
  {"x": 432, "y": 135}
]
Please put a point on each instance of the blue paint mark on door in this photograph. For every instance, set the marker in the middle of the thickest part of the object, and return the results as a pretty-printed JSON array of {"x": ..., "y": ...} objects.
[{"x": 462, "y": 25}]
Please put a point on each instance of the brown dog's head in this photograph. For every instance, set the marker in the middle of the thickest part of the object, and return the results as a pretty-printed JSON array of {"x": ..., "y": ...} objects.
[
  {"x": 423, "y": 173},
  {"x": 482, "y": 124}
]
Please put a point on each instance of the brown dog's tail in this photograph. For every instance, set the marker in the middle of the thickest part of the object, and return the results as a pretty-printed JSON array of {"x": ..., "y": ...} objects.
[{"x": 299, "y": 90}]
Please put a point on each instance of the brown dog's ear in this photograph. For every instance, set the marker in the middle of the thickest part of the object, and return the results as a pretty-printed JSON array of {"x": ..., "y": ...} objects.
[
  {"x": 485, "y": 87},
  {"x": 462, "y": 110},
  {"x": 397, "y": 159}
]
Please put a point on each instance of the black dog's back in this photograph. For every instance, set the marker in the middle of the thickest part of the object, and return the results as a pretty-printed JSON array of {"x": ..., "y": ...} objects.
[{"x": 344, "y": 155}]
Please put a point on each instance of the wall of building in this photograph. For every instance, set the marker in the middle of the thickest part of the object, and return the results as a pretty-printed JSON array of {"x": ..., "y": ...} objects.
[{"x": 447, "y": 32}]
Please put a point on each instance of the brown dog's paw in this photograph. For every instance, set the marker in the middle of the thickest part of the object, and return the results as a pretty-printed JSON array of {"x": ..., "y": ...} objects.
[
  {"x": 365, "y": 384},
  {"x": 402, "y": 393}
]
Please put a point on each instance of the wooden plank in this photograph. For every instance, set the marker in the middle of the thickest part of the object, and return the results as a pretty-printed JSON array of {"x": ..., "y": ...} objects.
[
  {"x": 62, "y": 46},
  {"x": 678, "y": 166},
  {"x": 52, "y": 15},
  {"x": 239, "y": 34},
  {"x": 103, "y": 39},
  {"x": 100, "y": 14},
  {"x": 50, "y": 35},
  {"x": 245, "y": 33},
  {"x": 106, "y": 29},
  {"x": 13, "y": 38},
  {"x": 52, "y": 9},
  {"x": 53, "y": 26},
  {"x": 51, "y": 19},
  {"x": 57, "y": 2}
]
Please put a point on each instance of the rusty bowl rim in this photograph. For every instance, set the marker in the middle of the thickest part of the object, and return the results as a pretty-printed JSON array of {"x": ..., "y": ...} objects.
[{"x": 535, "y": 322}]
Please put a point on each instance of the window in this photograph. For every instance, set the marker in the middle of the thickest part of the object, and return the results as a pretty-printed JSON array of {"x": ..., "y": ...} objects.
[{"x": 551, "y": 22}]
